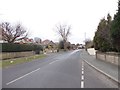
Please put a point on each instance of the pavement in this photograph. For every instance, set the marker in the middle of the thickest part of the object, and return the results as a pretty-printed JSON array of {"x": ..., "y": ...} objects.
[
  {"x": 58, "y": 70},
  {"x": 108, "y": 69}
]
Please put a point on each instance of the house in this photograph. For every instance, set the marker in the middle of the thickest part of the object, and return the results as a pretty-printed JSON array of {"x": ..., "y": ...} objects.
[
  {"x": 81, "y": 46},
  {"x": 48, "y": 45},
  {"x": 74, "y": 46},
  {"x": 25, "y": 40},
  {"x": 45, "y": 42}
]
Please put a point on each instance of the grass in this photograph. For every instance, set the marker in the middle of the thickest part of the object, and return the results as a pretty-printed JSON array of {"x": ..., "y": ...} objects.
[{"x": 10, "y": 62}]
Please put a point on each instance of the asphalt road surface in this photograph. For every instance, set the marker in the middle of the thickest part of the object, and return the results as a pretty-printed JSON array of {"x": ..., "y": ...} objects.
[{"x": 59, "y": 70}]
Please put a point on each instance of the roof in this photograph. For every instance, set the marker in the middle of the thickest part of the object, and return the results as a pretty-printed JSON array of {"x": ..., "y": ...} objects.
[{"x": 46, "y": 42}]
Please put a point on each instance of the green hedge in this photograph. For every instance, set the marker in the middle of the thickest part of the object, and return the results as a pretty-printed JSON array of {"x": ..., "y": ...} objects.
[{"x": 12, "y": 47}]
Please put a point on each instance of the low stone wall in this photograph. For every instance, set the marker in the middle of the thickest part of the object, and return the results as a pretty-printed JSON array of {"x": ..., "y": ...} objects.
[
  {"x": 6, "y": 55},
  {"x": 110, "y": 57}
]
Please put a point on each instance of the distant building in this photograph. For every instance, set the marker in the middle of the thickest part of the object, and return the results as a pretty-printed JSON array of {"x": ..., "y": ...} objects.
[
  {"x": 49, "y": 45},
  {"x": 25, "y": 40},
  {"x": 74, "y": 46},
  {"x": 81, "y": 46},
  {"x": 45, "y": 42}
]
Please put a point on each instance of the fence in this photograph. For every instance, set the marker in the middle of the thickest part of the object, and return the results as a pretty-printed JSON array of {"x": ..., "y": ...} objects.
[
  {"x": 111, "y": 57},
  {"x": 10, "y": 55}
]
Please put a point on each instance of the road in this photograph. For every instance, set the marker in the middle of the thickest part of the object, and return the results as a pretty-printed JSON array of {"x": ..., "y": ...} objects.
[{"x": 59, "y": 70}]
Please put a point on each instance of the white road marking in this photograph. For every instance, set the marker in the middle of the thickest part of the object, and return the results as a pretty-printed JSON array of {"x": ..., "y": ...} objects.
[
  {"x": 27, "y": 74},
  {"x": 114, "y": 79},
  {"x": 82, "y": 69},
  {"x": 74, "y": 52},
  {"x": 53, "y": 61},
  {"x": 22, "y": 76},
  {"x": 82, "y": 77},
  {"x": 82, "y": 72},
  {"x": 82, "y": 84}
]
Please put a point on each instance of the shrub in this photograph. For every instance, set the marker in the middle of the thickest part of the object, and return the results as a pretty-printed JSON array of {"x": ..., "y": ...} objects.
[
  {"x": 37, "y": 49},
  {"x": 13, "y": 47}
]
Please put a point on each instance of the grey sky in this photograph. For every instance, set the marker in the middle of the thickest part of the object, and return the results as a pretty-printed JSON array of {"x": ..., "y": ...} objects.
[{"x": 41, "y": 16}]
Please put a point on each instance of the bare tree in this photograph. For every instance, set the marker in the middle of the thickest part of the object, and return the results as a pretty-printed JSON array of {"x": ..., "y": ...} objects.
[
  {"x": 64, "y": 32},
  {"x": 12, "y": 34}
]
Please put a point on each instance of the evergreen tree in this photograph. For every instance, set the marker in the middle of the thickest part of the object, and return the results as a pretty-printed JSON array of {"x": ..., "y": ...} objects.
[
  {"x": 102, "y": 40},
  {"x": 115, "y": 29}
]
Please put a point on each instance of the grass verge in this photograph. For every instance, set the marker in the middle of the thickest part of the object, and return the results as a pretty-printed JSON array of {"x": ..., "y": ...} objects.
[{"x": 10, "y": 62}]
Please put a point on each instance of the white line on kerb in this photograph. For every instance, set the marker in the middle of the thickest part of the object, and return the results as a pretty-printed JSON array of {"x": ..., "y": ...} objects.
[
  {"x": 22, "y": 76},
  {"x": 82, "y": 84}
]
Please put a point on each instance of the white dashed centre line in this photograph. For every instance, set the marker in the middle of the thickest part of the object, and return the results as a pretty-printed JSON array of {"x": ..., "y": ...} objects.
[
  {"x": 82, "y": 76},
  {"x": 82, "y": 84},
  {"x": 82, "y": 72},
  {"x": 53, "y": 61}
]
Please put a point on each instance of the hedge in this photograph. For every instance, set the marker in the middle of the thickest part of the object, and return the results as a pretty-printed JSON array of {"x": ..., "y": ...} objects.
[{"x": 13, "y": 47}]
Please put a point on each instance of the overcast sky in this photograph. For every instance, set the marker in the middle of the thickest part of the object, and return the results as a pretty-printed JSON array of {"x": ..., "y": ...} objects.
[{"x": 40, "y": 16}]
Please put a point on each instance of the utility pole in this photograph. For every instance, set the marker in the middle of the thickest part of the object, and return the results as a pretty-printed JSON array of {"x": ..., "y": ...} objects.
[
  {"x": 85, "y": 42},
  {"x": 85, "y": 36}
]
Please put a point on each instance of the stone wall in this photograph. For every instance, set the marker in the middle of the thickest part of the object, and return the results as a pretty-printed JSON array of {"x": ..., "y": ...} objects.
[
  {"x": 111, "y": 57},
  {"x": 10, "y": 55}
]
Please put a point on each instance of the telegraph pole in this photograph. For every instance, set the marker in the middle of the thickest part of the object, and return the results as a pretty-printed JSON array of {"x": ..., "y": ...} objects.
[
  {"x": 85, "y": 36},
  {"x": 85, "y": 42}
]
